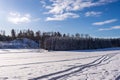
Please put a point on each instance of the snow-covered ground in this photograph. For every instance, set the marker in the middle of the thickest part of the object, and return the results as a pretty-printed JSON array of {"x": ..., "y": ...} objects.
[
  {"x": 21, "y": 43},
  {"x": 31, "y": 64}
]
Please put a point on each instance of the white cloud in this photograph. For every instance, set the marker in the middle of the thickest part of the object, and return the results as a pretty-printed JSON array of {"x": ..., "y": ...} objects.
[
  {"x": 112, "y": 28},
  {"x": 62, "y": 17},
  {"x": 43, "y": 3},
  {"x": 60, "y": 7},
  {"x": 105, "y": 22},
  {"x": 92, "y": 13},
  {"x": 16, "y": 18}
]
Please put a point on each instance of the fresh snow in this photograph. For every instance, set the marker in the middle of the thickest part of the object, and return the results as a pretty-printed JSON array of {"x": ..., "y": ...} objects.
[
  {"x": 18, "y": 44},
  {"x": 35, "y": 64}
]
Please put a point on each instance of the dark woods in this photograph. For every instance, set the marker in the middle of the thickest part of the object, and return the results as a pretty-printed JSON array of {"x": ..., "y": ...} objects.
[{"x": 58, "y": 41}]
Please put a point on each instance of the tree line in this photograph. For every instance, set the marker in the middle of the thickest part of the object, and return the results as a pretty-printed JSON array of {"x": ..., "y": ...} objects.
[{"x": 58, "y": 41}]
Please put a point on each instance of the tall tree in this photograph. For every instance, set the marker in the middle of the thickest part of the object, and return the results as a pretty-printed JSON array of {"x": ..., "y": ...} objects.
[{"x": 13, "y": 34}]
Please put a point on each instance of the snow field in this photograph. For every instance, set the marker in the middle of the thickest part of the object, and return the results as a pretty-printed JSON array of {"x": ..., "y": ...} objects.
[{"x": 33, "y": 64}]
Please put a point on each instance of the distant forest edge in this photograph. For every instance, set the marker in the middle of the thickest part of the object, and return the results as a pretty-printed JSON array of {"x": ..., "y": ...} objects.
[{"x": 58, "y": 41}]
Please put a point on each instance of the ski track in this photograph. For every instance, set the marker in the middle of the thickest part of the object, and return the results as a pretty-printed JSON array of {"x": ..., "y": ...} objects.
[
  {"x": 75, "y": 69},
  {"x": 49, "y": 61},
  {"x": 32, "y": 62},
  {"x": 118, "y": 78}
]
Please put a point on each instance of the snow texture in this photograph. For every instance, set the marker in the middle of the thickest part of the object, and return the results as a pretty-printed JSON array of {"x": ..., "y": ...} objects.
[
  {"x": 34, "y": 64},
  {"x": 19, "y": 43}
]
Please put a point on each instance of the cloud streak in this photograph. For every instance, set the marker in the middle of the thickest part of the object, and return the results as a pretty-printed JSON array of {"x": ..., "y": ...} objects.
[
  {"x": 62, "y": 17},
  {"x": 104, "y": 22},
  {"x": 92, "y": 13},
  {"x": 111, "y": 28}
]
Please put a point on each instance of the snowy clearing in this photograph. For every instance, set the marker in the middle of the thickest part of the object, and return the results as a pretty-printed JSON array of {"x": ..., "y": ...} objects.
[{"x": 34, "y": 64}]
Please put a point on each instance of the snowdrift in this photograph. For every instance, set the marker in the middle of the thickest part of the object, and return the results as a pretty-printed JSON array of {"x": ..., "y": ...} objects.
[{"x": 19, "y": 43}]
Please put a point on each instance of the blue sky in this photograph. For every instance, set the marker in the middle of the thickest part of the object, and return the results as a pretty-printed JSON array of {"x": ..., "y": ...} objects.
[{"x": 98, "y": 18}]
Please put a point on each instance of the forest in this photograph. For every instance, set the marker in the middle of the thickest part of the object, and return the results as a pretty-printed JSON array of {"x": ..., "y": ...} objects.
[{"x": 57, "y": 41}]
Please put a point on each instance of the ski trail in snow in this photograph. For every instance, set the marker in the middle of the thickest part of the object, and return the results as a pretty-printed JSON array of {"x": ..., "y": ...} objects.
[
  {"x": 118, "y": 78},
  {"x": 65, "y": 60},
  {"x": 75, "y": 69}
]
